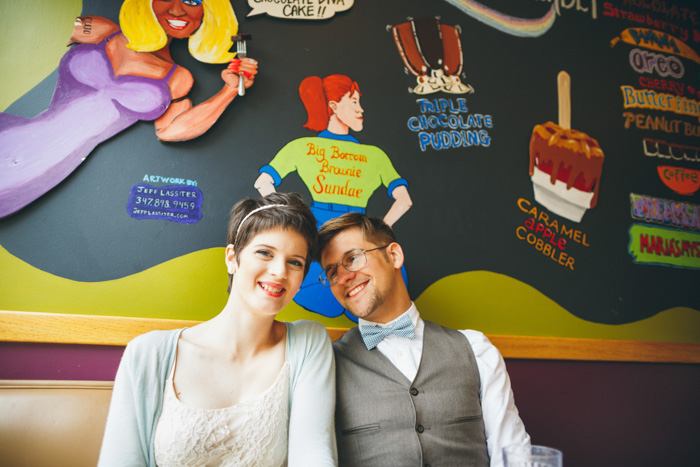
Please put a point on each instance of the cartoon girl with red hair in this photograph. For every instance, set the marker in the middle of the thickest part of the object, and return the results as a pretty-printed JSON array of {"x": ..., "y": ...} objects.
[{"x": 340, "y": 173}]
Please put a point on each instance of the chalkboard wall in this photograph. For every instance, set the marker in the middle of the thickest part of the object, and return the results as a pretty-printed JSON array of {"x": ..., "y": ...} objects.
[{"x": 475, "y": 226}]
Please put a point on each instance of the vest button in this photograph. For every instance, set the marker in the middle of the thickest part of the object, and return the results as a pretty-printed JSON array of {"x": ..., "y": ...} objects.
[
  {"x": 420, "y": 429},
  {"x": 414, "y": 391}
]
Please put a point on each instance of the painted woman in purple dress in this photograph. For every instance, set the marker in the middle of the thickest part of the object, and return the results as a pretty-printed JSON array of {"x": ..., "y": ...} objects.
[{"x": 112, "y": 77}]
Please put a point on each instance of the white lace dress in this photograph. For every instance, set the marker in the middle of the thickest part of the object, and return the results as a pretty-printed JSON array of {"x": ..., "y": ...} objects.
[{"x": 250, "y": 433}]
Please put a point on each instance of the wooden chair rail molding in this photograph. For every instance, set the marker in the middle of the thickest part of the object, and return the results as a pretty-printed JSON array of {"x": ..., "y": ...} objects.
[{"x": 20, "y": 326}]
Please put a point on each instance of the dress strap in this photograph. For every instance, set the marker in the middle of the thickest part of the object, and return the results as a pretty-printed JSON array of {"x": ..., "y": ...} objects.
[
  {"x": 118, "y": 31},
  {"x": 170, "y": 72}
]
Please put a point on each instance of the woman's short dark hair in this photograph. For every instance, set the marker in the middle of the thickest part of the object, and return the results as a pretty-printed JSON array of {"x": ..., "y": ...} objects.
[
  {"x": 373, "y": 229},
  {"x": 293, "y": 214}
]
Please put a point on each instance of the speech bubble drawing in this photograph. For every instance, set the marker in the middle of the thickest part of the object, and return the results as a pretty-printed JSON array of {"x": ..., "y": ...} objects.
[{"x": 299, "y": 9}]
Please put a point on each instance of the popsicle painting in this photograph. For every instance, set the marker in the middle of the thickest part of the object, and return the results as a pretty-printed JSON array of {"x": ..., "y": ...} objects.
[{"x": 565, "y": 164}]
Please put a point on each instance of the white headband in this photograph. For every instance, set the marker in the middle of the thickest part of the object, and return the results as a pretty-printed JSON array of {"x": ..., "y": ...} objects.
[{"x": 267, "y": 206}]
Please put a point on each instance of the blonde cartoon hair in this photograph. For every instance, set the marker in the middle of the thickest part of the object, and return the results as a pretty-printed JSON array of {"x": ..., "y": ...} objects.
[{"x": 209, "y": 44}]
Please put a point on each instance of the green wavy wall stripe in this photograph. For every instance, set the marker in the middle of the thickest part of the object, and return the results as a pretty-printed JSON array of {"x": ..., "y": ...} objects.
[
  {"x": 194, "y": 287},
  {"x": 498, "y": 304}
]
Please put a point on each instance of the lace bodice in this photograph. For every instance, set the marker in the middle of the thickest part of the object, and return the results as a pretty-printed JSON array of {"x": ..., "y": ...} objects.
[{"x": 250, "y": 433}]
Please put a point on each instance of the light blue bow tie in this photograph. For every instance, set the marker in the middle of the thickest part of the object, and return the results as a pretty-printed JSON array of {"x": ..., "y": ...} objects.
[{"x": 373, "y": 335}]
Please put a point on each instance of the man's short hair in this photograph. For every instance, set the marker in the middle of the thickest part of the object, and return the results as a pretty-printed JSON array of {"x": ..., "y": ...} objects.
[{"x": 373, "y": 229}]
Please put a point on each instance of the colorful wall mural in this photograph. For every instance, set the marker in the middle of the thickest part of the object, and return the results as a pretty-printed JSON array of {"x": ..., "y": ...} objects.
[
  {"x": 465, "y": 105},
  {"x": 340, "y": 174},
  {"x": 114, "y": 75}
]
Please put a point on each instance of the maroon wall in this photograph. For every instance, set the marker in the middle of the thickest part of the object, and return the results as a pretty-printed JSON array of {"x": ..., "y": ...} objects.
[
  {"x": 597, "y": 413},
  {"x": 611, "y": 413},
  {"x": 19, "y": 360}
]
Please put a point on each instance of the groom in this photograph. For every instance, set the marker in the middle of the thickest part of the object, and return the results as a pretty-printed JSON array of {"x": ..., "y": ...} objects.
[{"x": 409, "y": 392}]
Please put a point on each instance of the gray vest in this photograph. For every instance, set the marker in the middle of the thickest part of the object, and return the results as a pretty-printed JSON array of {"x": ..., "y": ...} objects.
[{"x": 383, "y": 419}]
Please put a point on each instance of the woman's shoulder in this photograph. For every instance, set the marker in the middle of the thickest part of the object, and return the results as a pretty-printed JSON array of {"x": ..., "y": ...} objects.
[
  {"x": 148, "y": 352},
  {"x": 154, "y": 340},
  {"x": 307, "y": 338},
  {"x": 309, "y": 348},
  {"x": 306, "y": 328},
  {"x": 303, "y": 327}
]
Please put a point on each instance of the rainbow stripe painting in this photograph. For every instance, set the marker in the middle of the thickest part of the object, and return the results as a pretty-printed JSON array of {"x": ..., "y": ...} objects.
[{"x": 504, "y": 23}]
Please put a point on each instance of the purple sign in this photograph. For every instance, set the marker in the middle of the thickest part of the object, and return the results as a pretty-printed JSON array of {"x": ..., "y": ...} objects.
[{"x": 171, "y": 203}]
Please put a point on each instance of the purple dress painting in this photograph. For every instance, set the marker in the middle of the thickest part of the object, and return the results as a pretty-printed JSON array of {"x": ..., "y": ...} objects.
[{"x": 89, "y": 106}]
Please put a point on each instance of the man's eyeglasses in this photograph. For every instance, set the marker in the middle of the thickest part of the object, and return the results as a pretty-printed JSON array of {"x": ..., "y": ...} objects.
[{"x": 352, "y": 261}]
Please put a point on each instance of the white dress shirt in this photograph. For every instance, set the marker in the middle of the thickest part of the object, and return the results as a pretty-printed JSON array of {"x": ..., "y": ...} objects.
[{"x": 501, "y": 419}]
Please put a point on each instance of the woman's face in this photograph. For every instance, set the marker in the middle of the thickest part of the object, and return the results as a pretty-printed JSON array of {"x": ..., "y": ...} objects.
[
  {"x": 349, "y": 111},
  {"x": 178, "y": 18},
  {"x": 269, "y": 270}
]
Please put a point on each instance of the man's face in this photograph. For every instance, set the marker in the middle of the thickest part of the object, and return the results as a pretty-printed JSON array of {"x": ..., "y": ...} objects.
[{"x": 366, "y": 293}]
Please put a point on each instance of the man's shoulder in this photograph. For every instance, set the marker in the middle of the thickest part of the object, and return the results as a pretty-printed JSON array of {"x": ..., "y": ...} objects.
[
  {"x": 350, "y": 340},
  {"x": 479, "y": 343},
  {"x": 435, "y": 327}
]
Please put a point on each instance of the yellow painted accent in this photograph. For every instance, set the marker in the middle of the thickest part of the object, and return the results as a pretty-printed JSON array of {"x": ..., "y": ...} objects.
[
  {"x": 498, "y": 304},
  {"x": 293, "y": 312},
  {"x": 33, "y": 38},
  {"x": 193, "y": 287}
]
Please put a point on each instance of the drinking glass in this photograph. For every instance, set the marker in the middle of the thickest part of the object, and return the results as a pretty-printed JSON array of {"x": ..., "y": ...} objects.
[{"x": 532, "y": 456}]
